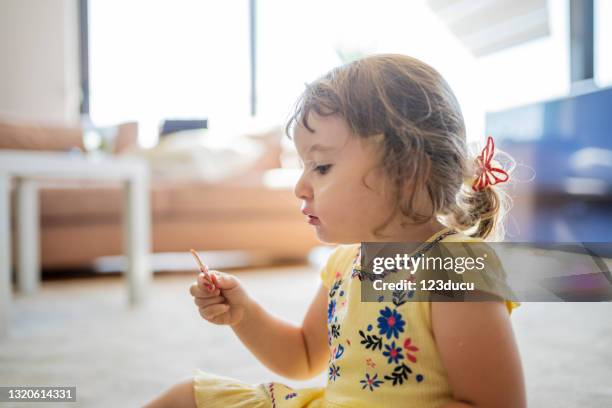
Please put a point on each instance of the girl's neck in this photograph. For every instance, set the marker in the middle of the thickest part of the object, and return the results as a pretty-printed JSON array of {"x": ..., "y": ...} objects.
[{"x": 411, "y": 233}]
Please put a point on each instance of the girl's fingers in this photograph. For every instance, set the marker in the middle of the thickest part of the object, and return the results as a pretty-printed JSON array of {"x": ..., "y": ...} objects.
[
  {"x": 203, "y": 302},
  {"x": 210, "y": 312},
  {"x": 204, "y": 282},
  {"x": 215, "y": 279},
  {"x": 198, "y": 291},
  {"x": 202, "y": 278}
]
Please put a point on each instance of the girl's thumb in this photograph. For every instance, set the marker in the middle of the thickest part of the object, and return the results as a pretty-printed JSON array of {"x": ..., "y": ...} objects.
[{"x": 223, "y": 280}]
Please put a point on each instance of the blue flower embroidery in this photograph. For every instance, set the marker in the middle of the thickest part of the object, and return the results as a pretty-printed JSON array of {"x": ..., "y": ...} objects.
[
  {"x": 334, "y": 372},
  {"x": 394, "y": 354},
  {"x": 339, "y": 352},
  {"x": 370, "y": 383},
  {"x": 390, "y": 323},
  {"x": 331, "y": 309},
  {"x": 334, "y": 288}
]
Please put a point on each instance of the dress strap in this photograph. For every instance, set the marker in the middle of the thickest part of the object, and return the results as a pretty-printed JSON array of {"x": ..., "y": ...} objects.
[{"x": 363, "y": 274}]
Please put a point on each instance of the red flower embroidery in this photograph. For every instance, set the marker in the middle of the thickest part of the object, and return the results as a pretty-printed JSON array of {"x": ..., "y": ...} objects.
[{"x": 409, "y": 347}]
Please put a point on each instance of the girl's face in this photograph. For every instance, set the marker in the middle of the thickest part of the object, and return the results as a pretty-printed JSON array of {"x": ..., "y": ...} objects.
[{"x": 336, "y": 165}]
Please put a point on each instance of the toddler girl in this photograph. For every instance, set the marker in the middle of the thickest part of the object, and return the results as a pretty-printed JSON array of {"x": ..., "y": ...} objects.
[{"x": 383, "y": 146}]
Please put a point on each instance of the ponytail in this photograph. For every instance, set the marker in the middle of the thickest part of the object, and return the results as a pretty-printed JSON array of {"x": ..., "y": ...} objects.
[
  {"x": 479, "y": 213},
  {"x": 481, "y": 204}
]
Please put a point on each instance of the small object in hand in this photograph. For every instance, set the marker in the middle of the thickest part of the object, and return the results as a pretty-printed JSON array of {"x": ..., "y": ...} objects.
[{"x": 203, "y": 269}]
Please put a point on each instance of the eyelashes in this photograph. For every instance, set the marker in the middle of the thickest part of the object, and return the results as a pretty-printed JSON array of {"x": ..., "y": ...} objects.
[{"x": 322, "y": 169}]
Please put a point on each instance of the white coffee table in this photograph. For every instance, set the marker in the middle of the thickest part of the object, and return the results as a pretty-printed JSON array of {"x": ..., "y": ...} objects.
[{"x": 29, "y": 167}]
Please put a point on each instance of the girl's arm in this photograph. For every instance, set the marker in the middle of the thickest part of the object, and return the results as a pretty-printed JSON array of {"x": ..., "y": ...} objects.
[
  {"x": 289, "y": 350},
  {"x": 478, "y": 349}
]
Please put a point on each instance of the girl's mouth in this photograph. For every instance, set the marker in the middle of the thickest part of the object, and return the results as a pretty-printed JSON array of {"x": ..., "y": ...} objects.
[{"x": 312, "y": 220}]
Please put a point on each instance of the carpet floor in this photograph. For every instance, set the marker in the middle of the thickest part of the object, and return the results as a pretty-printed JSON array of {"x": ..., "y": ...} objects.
[{"x": 81, "y": 332}]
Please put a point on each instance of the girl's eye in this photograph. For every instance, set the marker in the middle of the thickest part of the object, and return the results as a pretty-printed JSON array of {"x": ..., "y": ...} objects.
[{"x": 323, "y": 168}]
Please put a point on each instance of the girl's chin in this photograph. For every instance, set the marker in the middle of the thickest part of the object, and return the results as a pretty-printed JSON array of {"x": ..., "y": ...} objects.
[
  {"x": 323, "y": 235},
  {"x": 327, "y": 237}
]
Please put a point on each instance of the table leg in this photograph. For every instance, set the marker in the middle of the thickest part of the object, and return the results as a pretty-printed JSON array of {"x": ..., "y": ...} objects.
[
  {"x": 5, "y": 253},
  {"x": 28, "y": 236},
  {"x": 137, "y": 236}
]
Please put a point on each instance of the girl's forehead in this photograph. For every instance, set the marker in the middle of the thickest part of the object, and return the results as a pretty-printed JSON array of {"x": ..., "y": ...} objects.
[{"x": 330, "y": 133}]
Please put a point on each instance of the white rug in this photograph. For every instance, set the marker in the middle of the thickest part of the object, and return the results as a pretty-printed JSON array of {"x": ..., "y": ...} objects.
[{"x": 81, "y": 332}]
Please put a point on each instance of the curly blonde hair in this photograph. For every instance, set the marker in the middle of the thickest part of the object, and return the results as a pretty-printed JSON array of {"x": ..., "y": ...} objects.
[{"x": 424, "y": 140}]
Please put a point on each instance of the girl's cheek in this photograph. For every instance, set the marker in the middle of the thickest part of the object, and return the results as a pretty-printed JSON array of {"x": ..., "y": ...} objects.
[{"x": 326, "y": 190}]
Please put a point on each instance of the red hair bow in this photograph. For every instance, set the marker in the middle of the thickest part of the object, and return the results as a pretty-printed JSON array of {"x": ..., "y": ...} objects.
[{"x": 486, "y": 174}]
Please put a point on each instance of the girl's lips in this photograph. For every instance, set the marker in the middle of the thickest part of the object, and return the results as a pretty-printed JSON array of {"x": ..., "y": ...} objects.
[{"x": 312, "y": 220}]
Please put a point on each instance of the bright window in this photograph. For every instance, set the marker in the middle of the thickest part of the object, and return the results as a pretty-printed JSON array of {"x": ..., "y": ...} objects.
[
  {"x": 189, "y": 58},
  {"x": 298, "y": 47},
  {"x": 151, "y": 60}
]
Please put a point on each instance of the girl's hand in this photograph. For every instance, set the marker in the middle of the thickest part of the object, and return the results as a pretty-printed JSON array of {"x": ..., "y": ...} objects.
[{"x": 223, "y": 304}]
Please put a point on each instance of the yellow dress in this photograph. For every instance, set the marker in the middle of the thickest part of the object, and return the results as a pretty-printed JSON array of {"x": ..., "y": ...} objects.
[{"x": 381, "y": 354}]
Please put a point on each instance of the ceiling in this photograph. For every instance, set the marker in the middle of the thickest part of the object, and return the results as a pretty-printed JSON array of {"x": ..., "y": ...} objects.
[{"x": 487, "y": 26}]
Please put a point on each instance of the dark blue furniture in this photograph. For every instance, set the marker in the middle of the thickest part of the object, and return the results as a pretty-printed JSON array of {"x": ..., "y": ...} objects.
[{"x": 568, "y": 142}]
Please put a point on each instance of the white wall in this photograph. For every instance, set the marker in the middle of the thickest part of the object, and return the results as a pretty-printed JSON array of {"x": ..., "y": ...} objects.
[{"x": 39, "y": 52}]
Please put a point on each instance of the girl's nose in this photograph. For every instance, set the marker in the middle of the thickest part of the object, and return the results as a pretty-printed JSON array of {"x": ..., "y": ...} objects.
[{"x": 302, "y": 188}]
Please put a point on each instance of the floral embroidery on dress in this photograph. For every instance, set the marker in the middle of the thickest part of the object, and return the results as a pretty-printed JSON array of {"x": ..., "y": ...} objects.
[
  {"x": 333, "y": 327},
  {"x": 331, "y": 309},
  {"x": 399, "y": 375},
  {"x": 390, "y": 323},
  {"x": 387, "y": 335},
  {"x": 409, "y": 347},
  {"x": 334, "y": 331},
  {"x": 370, "y": 382},
  {"x": 271, "y": 391},
  {"x": 371, "y": 341},
  {"x": 398, "y": 352},
  {"x": 334, "y": 369},
  {"x": 334, "y": 372},
  {"x": 338, "y": 352},
  {"x": 370, "y": 362},
  {"x": 334, "y": 288},
  {"x": 393, "y": 353}
]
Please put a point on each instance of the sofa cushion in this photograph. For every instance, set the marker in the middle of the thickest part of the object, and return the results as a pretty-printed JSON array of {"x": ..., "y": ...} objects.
[
  {"x": 229, "y": 200},
  {"x": 86, "y": 202},
  {"x": 82, "y": 202}
]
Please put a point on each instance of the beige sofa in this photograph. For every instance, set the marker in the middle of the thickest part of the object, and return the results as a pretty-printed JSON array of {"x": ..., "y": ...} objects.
[{"x": 82, "y": 221}]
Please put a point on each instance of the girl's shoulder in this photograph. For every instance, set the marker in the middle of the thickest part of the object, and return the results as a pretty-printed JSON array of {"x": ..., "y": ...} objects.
[
  {"x": 339, "y": 260},
  {"x": 343, "y": 254},
  {"x": 494, "y": 269}
]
